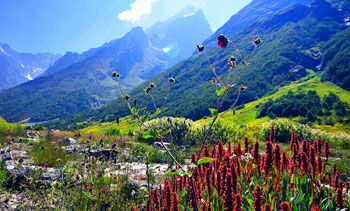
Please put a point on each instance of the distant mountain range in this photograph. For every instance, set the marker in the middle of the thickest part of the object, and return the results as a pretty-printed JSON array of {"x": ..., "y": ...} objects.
[
  {"x": 295, "y": 39},
  {"x": 78, "y": 82},
  {"x": 17, "y": 68}
]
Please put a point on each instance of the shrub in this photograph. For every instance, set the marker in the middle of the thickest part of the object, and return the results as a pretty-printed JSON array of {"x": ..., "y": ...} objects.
[
  {"x": 285, "y": 127},
  {"x": 178, "y": 128}
]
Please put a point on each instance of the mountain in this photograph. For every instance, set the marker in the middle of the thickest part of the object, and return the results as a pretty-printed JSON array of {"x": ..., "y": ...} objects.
[
  {"x": 79, "y": 82},
  {"x": 169, "y": 35},
  {"x": 17, "y": 68},
  {"x": 293, "y": 40},
  {"x": 255, "y": 11}
]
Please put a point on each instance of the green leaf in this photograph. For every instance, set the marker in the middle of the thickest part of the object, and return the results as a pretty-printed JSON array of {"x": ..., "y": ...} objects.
[
  {"x": 173, "y": 172},
  {"x": 213, "y": 112},
  {"x": 189, "y": 174},
  {"x": 149, "y": 134},
  {"x": 205, "y": 160},
  {"x": 133, "y": 111},
  {"x": 220, "y": 92}
]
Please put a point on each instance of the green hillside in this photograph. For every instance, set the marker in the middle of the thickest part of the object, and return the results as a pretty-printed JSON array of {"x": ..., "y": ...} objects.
[
  {"x": 291, "y": 40},
  {"x": 247, "y": 115}
]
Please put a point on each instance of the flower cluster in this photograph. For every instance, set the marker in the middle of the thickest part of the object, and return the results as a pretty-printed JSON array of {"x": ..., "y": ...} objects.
[{"x": 231, "y": 180}]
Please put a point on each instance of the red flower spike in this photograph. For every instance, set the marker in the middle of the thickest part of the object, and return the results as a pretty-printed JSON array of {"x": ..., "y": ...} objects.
[
  {"x": 304, "y": 163},
  {"x": 133, "y": 208},
  {"x": 326, "y": 149},
  {"x": 148, "y": 206},
  {"x": 229, "y": 148},
  {"x": 277, "y": 156},
  {"x": 339, "y": 198},
  {"x": 205, "y": 207},
  {"x": 174, "y": 202},
  {"x": 238, "y": 203},
  {"x": 229, "y": 193},
  {"x": 272, "y": 135},
  {"x": 221, "y": 149},
  {"x": 334, "y": 168},
  {"x": 285, "y": 206},
  {"x": 315, "y": 208},
  {"x": 304, "y": 147},
  {"x": 267, "y": 207},
  {"x": 319, "y": 145},
  {"x": 319, "y": 164},
  {"x": 312, "y": 157},
  {"x": 156, "y": 200},
  {"x": 246, "y": 144},
  {"x": 285, "y": 160},
  {"x": 222, "y": 41},
  {"x": 268, "y": 159},
  {"x": 258, "y": 198},
  {"x": 256, "y": 153}
]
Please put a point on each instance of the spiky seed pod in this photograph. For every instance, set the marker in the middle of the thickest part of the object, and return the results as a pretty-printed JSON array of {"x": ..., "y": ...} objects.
[
  {"x": 118, "y": 120},
  {"x": 277, "y": 156},
  {"x": 42, "y": 147},
  {"x": 339, "y": 198},
  {"x": 326, "y": 149},
  {"x": 200, "y": 48},
  {"x": 268, "y": 159},
  {"x": 258, "y": 198},
  {"x": 135, "y": 102},
  {"x": 285, "y": 206}
]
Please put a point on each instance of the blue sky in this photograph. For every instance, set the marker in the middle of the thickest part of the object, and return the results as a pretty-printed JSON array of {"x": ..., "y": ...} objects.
[{"x": 58, "y": 26}]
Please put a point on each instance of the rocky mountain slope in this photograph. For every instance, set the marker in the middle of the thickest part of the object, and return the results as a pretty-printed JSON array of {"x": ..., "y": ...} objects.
[{"x": 17, "y": 68}]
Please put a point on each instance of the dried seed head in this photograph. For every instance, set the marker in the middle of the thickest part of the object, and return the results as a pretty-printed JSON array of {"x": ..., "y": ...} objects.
[
  {"x": 171, "y": 80},
  {"x": 42, "y": 147},
  {"x": 200, "y": 48},
  {"x": 126, "y": 97},
  {"x": 116, "y": 75},
  {"x": 152, "y": 85},
  {"x": 147, "y": 90},
  {"x": 257, "y": 41}
]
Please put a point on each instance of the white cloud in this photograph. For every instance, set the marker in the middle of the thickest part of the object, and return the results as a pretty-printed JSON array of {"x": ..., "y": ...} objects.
[{"x": 138, "y": 8}]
